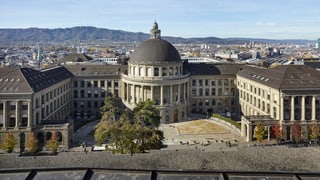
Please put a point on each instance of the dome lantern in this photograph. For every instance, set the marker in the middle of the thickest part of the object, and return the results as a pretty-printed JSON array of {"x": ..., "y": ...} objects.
[{"x": 155, "y": 33}]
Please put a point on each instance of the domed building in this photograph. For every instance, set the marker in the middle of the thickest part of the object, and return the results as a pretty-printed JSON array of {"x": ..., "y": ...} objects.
[{"x": 155, "y": 72}]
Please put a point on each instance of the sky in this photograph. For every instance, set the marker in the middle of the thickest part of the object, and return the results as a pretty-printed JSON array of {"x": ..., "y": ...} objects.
[{"x": 271, "y": 19}]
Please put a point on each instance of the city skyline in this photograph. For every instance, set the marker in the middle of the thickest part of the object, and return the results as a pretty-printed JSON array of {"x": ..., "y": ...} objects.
[{"x": 284, "y": 19}]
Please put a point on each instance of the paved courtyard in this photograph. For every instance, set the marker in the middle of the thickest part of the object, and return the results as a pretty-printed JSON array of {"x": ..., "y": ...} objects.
[{"x": 202, "y": 133}]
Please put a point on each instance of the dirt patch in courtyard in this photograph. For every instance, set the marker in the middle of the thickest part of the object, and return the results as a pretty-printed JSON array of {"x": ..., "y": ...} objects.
[{"x": 199, "y": 127}]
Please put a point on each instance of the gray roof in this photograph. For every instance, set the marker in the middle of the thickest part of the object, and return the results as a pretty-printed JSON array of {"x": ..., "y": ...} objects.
[
  {"x": 155, "y": 51},
  {"x": 75, "y": 57},
  {"x": 83, "y": 70},
  {"x": 284, "y": 77},
  {"x": 212, "y": 69},
  {"x": 12, "y": 80},
  {"x": 27, "y": 80}
]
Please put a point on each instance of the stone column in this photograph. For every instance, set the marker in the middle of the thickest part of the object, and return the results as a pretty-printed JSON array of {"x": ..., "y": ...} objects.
[
  {"x": 134, "y": 94},
  {"x": 268, "y": 133},
  {"x": 127, "y": 92},
  {"x": 17, "y": 114},
  {"x": 281, "y": 109},
  {"x": 112, "y": 86},
  {"x": 141, "y": 93},
  {"x": 303, "y": 108},
  {"x": 29, "y": 114},
  {"x": 184, "y": 91},
  {"x": 179, "y": 92},
  {"x": 171, "y": 93},
  {"x": 5, "y": 114},
  {"x": 151, "y": 95},
  {"x": 161, "y": 95},
  {"x": 249, "y": 133},
  {"x": 292, "y": 109},
  {"x": 313, "y": 111}
]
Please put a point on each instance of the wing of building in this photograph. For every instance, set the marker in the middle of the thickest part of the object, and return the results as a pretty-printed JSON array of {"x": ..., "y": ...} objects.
[
  {"x": 36, "y": 101},
  {"x": 281, "y": 95}
]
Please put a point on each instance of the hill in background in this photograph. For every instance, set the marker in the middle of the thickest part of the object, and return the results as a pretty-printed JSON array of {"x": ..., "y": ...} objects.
[{"x": 86, "y": 33}]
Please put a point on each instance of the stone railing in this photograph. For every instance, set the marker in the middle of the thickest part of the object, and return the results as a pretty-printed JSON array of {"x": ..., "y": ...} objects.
[{"x": 225, "y": 123}]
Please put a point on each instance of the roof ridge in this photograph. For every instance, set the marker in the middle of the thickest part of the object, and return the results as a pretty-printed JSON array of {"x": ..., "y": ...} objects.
[
  {"x": 23, "y": 76},
  {"x": 282, "y": 73}
]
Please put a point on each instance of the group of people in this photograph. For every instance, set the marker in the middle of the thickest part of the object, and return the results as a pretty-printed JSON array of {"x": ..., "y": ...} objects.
[
  {"x": 228, "y": 143},
  {"x": 84, "y": 146}
]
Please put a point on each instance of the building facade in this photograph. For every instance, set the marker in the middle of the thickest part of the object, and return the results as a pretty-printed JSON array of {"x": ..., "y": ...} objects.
[
  {"x": 281, "y": 95},
  {"x": 36, "y": 101}
]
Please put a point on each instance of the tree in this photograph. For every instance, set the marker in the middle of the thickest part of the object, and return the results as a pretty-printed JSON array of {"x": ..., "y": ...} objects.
[
  {"x": 53, "y": 143},
  {"x": 102, "y": 131},
  {"x": 296, "y": 131},
  {"x": 132, "y": 132},
  {"x": 110, "y": 108},
  {"x": 146, "y": 113},
  {"x": 314, "y": 131},
  {"x": 9, "y": 142},
  {"x": 32, "y": 143},
  {"x": 277, "y": 132},
  {"x": 259, "y": 132}
]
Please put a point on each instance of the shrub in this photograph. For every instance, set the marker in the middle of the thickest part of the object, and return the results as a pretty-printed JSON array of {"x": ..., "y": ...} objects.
[
  {"x": 32, "y": 143},
  {"x": 9, "y": 142},
  {"x": 53, "y": 143}
]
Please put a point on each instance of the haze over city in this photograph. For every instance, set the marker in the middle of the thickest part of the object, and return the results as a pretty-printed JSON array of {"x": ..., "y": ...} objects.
[{"x": 274, "y": 19}]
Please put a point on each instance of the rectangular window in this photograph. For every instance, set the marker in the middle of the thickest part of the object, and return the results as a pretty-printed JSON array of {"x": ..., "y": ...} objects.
[
  {"x": 109, "y": 84},
  {"x": 206, "y": 82},
  {"x": 75, "y": 84},
  {"x": 200, "y": 82},
  {"x": 207, "y": 92},
  {"x": 116, "y": 84},
  {"x": 213, "y": 91},
  {"x": 102, "y": 83},
  {"x": 95, "y": 104},
  {"x": 194, "y": 92},
  {"x": 194, "y": 82},
  {"x": 200, "y": 92},
  {"x": 88, "y": 83},
  {"x": 219, "y": 91},
  {"x": 213, "y": 83},
  {"x": 82, "y": 83},
  {"x": 95, "y": 84}
]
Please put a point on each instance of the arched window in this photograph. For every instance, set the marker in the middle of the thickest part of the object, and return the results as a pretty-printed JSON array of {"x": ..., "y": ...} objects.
[
  {"x": 148, "y": 71},
  {"x": 136, "y": 69},
  {"x": 164, "y": 71},
  {"x": 141, "y": 71},
  {"x": 156, "y": 71},
  {"x": 170, "y": 71},
  {"x": 176, "y": 72}
]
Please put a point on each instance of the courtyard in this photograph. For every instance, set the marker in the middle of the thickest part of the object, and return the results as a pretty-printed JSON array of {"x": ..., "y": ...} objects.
[{"x": 197, "y": 132}]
